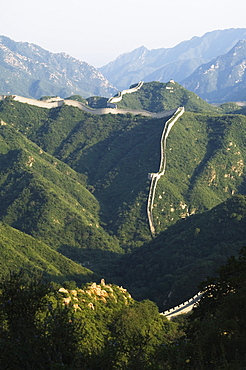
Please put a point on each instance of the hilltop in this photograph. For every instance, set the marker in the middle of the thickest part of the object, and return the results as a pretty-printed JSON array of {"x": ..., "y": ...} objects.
[{"x": 158, "y": 96}]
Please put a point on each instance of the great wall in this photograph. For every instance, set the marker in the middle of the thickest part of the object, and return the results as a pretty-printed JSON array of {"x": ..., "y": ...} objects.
[
  {"x": 183, "y": 308},
  {"x": 111, "y": 106},
  {"x": 119, "y": 96},
  {"x": 154, "y": 177}
]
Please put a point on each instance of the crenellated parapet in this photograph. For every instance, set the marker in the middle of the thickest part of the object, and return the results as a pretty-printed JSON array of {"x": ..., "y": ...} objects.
[
  {"x": 154, "y": 177},
  {"x": 184, "y": 307},
  {"x": 116, "y": 99}
]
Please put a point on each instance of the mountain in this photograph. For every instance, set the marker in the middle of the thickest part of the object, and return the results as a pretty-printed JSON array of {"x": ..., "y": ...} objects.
[
  {"x": 79, "y": 182},
  {"x": 170, "y": 63},
  {"x": 222, "y": 79},
  {"x": 157, "y": 96},
  {"x": 115, "y": 153},
  {"x": 28, "y": 70},
  {"x": 169, "y": 268}
]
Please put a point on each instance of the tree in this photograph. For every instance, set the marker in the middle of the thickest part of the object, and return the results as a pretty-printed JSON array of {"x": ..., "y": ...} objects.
[
  {"x": 37, "y": 331},
  {"x": 217, "y": 329}
]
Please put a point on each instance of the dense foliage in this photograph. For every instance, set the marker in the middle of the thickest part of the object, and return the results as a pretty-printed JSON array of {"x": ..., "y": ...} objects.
[
  {"x": 79, "y": 183},
  {"x": 97, "y": 327},
  {"x": 217, "y": 330},
  {"x": 168, "y": 269},
  {"x": 20, "y": 249}
]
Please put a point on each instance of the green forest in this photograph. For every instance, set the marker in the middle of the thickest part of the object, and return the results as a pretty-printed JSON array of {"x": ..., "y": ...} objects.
[
  {"x": 100, "y": 326},
  {"x": 73, "y": 193}
]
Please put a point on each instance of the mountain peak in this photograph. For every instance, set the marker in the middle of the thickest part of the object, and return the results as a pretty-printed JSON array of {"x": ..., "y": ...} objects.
[{"x": 32, "y": 71}]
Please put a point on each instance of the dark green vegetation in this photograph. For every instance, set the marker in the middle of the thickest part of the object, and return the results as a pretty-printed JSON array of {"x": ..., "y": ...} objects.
[
  {"x": 205, "y": 166},
  {"x": 101, "y": 327},
  {"x": 97, "y": 327},
  {"x": 168, "y": 269},
  {"x": 79, "y": 183},
  {"x": 216, "y": 335},
  {"x": 19, "y": 249}
]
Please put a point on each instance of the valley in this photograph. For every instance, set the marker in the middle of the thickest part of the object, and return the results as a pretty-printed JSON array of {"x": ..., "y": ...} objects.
[
  {"x": 78, "y": 182},
  {"x": 123, "y": 214}
]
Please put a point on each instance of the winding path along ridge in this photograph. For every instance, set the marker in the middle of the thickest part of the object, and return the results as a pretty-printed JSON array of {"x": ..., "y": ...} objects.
[{"x": 59, "y": 102}]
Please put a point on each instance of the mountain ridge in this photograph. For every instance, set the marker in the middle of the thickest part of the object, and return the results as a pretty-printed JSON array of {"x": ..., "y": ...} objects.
[
  {"x": 175, "y": 63},
  {"x": 29, "y": 70},
  {"x": 79, "y": 182},
  {"x": 223, "y": 79}
]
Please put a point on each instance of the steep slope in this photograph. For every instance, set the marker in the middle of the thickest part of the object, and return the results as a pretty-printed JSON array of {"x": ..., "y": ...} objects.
[
  {"x": 170, "y": 63},
  {"x": 205, "y": 165},
  {"x": 19, "y": 250},
  {"x": 28, "y": 70},
  {"x": 115, "y": 153},
  {"x": 169, "y": 269},
  {"x": 45, "y": 198},
  {"x": 223, "y": 79},
  {"x": 105, "y": 148}
]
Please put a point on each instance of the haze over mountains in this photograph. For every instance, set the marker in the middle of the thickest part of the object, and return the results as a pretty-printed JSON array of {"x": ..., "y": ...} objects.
[
  {"x": 170, "y": 63},
  {"x": 223, "y": 79},
  {"x": 206, "y": 65},
  {"x": 29, "y": 70},
  {"x": 146, "y": 190}
]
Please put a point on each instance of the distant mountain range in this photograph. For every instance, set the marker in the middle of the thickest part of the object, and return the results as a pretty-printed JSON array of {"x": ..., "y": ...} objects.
[
  {"x": 212, "y": 66},
  {"x": 223, "y": 79},
  {"x": 176, "y": 63},
  {"x": 28, "y": 70}
]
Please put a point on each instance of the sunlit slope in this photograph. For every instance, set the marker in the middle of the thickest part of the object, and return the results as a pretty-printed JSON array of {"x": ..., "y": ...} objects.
[
  {"x": 113, "y": 154},
  {"x": 45, "y": 198},
  {"x": 205, "y": 165},
  {"x": 157, "y": 96},
  {"x": 19, "y": 250}
]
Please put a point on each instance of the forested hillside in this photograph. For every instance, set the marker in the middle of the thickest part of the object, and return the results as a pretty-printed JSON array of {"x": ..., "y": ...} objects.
[
  {"x": 79, "y": 182},
  {"x": 169, "y": 268},
  {"x": 156, "y": 97}
]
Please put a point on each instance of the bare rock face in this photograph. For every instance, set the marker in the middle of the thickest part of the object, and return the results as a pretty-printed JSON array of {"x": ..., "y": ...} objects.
[
  {"x": 29, "y": 70},
  {"x": 176, "y": 63},
  {"x": 223, "y": 79}
]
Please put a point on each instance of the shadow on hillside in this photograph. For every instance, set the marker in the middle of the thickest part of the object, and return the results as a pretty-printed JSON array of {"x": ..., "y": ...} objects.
[{"x": 97, "y": 260}]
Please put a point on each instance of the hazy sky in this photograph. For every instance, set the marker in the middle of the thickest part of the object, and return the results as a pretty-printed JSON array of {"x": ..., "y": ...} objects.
[{"x": 97, "y": 31}]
